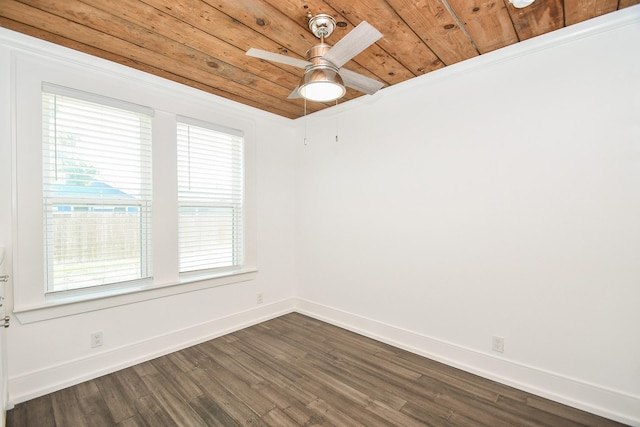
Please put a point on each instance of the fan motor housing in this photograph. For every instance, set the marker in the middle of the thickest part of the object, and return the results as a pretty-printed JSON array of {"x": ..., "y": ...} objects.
[{"x": 315, "y": 55}]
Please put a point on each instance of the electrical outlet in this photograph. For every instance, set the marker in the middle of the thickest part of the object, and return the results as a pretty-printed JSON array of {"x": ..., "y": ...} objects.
[
  {"x": 497, "y": 344},
  {"x": 96, "y": 339},
  {"x": 259, "y": 298}
]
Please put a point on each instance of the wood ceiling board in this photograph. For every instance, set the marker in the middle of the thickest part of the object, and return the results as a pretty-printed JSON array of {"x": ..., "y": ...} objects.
[
  {"x": 271, "y": 23},
  {"x": 581, "y": 10},
  {"x": 626, "y": 3},
  {"x": 437, "y": 27},
  {"x": 219, "y": 25},
  {"x": 72, "y": 44},
  {"x": 487, "y": 22},
  {"x": 186, "y": 68},
  {"x": 186, "y": 34},
  {"x": 539, "y": 18},
  {"x": 399, "y": 40}
]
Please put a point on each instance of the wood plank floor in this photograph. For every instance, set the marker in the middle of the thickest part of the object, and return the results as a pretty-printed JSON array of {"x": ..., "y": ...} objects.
[{"x": 294, "y": 371}]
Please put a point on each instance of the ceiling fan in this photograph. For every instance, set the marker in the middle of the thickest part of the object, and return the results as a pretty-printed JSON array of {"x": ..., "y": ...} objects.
[{"x": 324, "y": 78}]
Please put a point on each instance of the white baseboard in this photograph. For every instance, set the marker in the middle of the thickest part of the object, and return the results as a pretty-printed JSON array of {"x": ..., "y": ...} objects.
[
  {"x": 607, "y": 403},
  {"x": 53, "y": 378}
]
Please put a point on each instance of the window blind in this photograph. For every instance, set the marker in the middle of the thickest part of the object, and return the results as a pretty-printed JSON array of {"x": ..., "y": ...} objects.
[
  {"x": 96, "y": 189},
  {"x": 210, "y": 196}
]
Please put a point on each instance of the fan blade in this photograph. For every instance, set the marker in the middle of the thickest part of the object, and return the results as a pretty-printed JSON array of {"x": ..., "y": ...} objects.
[
  {"x": 276, "y": 57},
  {"x": 295, "y": 94},
  {"x": 360, "y": 38},
  {"x": 359, "y": 82}
]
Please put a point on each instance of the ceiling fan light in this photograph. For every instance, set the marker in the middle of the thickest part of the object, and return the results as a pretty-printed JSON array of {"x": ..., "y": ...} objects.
[
  {"x": 322, "y": 91},
  {"x": 322, "y": 84},
  {"x": 521, "y": 3}
]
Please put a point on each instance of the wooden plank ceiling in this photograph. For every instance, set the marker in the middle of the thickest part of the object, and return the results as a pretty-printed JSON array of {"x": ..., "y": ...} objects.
[{"x": 202, "y": 43}]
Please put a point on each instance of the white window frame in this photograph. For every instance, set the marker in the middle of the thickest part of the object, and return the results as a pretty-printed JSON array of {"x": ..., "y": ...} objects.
[
  {"x": 144, "y": 204},
  {"x": 236, "y": 205},
  {"x": 169, "y": 101}
]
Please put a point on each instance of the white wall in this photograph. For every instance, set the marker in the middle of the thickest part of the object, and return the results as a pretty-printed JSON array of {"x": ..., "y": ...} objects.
[
  {"x": 48, "y": 355},
  {"x": 500, "y": 196}
]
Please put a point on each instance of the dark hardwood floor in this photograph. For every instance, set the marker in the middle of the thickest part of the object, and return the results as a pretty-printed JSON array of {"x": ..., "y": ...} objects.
[{"x": 294, "y": 371}]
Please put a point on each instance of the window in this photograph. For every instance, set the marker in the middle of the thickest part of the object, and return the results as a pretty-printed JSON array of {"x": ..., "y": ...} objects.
[
  {"x": 96, "y": 190},
  {"x": 102, "y": 217},
  {"x": 210, "y": 197}
]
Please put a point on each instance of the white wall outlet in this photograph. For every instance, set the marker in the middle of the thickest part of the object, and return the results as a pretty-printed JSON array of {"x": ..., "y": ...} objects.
[
  {"x": 497, "y": 344},
  {"x": 259, "y": 298},
  {"x": 96, "y": 339}
]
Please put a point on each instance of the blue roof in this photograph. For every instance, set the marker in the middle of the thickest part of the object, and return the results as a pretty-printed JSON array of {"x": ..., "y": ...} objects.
[{"x": 96, "y": 189}]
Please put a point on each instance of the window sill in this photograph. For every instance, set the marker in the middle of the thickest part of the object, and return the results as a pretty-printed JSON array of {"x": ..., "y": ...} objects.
[{"x": 68, "y": 306}]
